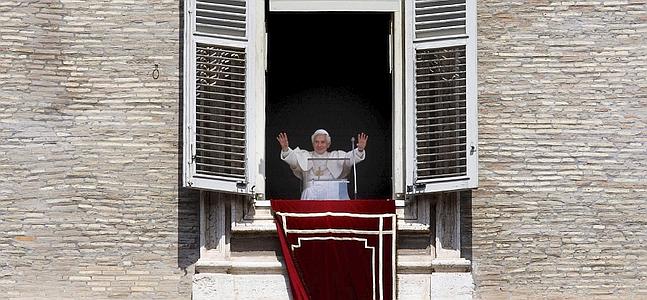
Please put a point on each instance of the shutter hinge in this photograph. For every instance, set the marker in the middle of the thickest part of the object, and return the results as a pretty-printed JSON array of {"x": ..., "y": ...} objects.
[
  {"x": 265, "y": 56},
  {"x": 416, "y": 187},
  {"x": 391, "y": 46},
  {"x": 192, "y": 145},
  {"x": 253, "y": 196},
  {"x": 472, "y": 150},
  {"x": 192, "y": 154},
  {"x": 256, "y": 196},
  {"x": 241, "y": 185}
]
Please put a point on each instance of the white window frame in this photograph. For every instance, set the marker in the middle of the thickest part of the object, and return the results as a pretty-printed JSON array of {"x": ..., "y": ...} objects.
[
  {"x": 402, "y": 52},
  {"x": 335, "y": 5},
  {"x": 396, "y": 59}
]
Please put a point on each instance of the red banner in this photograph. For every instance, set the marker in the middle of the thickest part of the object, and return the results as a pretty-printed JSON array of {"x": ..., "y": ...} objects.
[{"x": 338, "y": 249}]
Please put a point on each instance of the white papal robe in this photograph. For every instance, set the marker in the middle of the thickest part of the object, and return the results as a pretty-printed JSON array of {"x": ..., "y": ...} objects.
[{"x": 317, "y": 176}]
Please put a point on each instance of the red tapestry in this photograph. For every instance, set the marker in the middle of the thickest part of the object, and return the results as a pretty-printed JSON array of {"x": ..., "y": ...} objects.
[{"x": 338, "y": 249}]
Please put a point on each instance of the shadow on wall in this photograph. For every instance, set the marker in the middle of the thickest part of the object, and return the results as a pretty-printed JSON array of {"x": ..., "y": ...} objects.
[
  {"x": 188, "y": 201},
  {"x": 188, "y": 217},
  {"x": 466, "y": 224}
]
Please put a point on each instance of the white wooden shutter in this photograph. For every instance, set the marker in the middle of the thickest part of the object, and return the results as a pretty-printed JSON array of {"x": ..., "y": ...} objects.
[
  {"x": 223, "y": 95},
  {"x": 440, "y": 101}
]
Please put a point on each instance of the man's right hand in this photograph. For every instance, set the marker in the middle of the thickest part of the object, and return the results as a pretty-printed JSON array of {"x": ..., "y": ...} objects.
[{"x": 283, "y": 141}]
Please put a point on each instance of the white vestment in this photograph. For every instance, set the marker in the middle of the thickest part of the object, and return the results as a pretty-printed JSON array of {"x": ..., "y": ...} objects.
[{"x": 318, "y": 177}]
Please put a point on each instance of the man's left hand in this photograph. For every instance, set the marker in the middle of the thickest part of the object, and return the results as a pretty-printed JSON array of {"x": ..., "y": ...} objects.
[{"x": 362, "y": 138}]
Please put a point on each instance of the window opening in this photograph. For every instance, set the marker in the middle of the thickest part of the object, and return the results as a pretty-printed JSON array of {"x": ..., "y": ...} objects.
[{"x": 329, "y": 70}]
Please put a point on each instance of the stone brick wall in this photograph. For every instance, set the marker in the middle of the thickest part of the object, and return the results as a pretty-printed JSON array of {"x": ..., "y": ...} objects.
[
  {"x": 90, "y": 204},
  {"x": 561, "y": 210}
]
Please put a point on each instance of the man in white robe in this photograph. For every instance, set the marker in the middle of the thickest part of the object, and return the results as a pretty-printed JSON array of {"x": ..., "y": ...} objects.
[{"x": 322, "y": 177}]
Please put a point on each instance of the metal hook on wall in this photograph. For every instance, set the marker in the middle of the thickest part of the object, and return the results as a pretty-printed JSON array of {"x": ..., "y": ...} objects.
[{"x": 156, "y": 72}]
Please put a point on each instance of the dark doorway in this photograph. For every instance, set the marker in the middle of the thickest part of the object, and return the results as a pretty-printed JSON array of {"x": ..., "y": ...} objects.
[{"x": 331, "y": 71}]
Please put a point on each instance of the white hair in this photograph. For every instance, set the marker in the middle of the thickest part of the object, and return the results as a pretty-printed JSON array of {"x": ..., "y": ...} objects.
[{"x": 321, "y": 132}]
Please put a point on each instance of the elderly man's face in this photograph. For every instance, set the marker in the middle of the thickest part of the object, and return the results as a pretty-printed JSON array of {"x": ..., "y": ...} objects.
[{"x": 320, "y": 145}]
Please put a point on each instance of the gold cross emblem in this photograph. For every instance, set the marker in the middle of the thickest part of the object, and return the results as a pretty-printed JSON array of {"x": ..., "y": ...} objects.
[{"x": 319, "y": 172}]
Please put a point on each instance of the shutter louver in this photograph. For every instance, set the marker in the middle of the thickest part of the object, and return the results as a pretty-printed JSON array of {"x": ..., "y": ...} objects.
[
  {"x": 438, "y": 18},
  {"x": 221, "y": 17},
  {"x": 441, "y": 113},
  {"x": 220, "y": 111}
]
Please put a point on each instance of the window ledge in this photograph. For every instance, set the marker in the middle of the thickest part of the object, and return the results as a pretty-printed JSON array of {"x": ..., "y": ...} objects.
[
  {"x": 240, "y": 265},
  {"x": 406, "y": 264},
  {"x": 254, "y": 227},
  {"x": 451, "y": 265},
  {"x": 424, "y": 264},
  {"x": 404, "y": 226},
  {"x": 269, "y": 227}
]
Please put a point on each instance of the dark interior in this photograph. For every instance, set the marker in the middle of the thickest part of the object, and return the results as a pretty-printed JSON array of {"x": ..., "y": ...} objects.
[{"x": 331, "y": 71}]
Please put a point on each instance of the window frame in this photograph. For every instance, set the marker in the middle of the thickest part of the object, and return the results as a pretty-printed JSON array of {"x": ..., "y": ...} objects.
[
  {"x": 334, "y": 5},
  {"x": 403, "y": 46}
]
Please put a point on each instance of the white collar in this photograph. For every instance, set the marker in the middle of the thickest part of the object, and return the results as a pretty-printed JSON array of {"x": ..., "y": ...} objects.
[{"x": 315, "y": 154}]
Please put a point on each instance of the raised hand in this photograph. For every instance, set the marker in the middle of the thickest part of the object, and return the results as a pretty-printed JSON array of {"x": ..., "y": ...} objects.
[
  {"x": 362, "y": 138},
  {"x": 283, "y": 141}
]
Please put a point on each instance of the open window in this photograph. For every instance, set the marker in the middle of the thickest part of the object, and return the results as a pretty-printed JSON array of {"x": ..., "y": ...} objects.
[
  {"x": 223, "y": 90},
  {"x": 330, "y": 70},
  {"x": 413, "y": 72}
]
